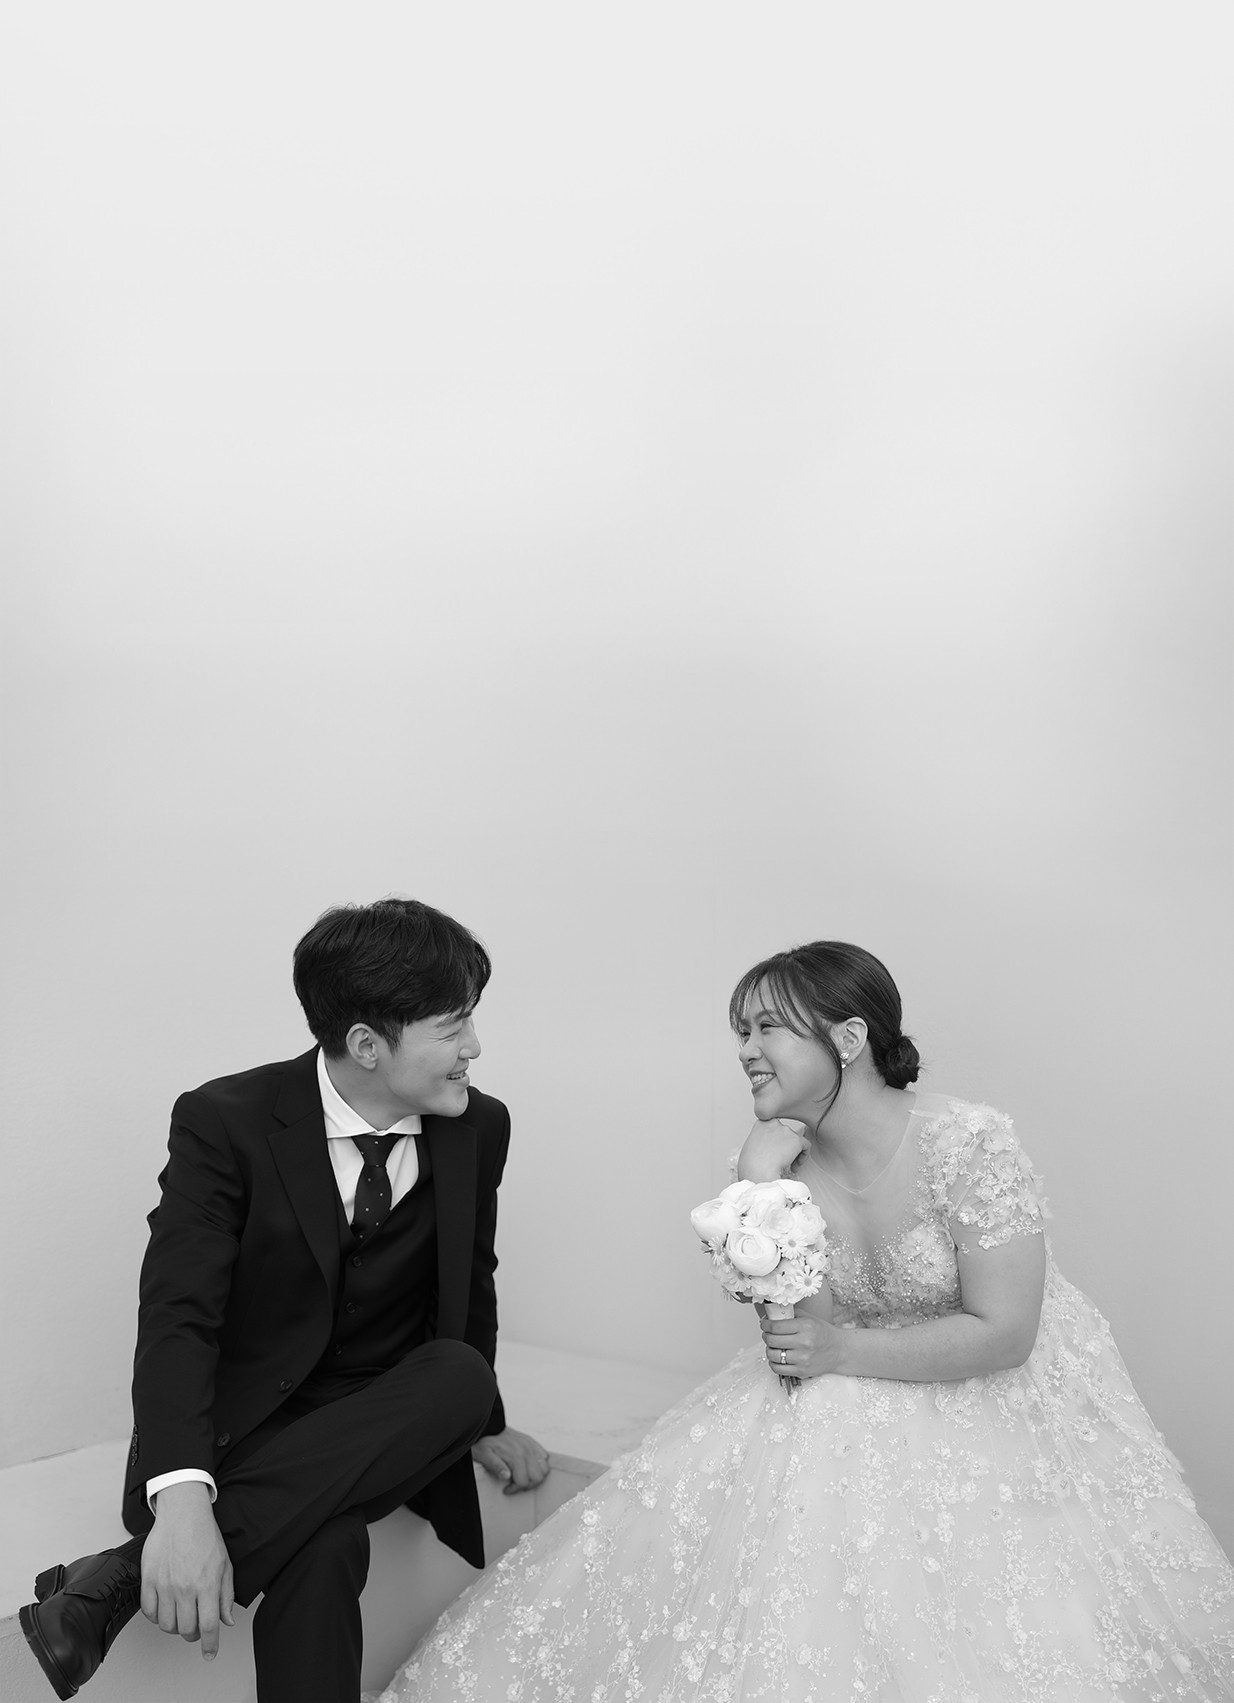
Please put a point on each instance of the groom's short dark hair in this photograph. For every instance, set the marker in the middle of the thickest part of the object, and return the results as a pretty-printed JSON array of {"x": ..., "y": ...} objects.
[{"x": 385, "y": 964}]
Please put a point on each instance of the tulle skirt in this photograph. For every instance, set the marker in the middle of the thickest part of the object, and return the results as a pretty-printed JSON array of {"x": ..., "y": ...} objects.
[{"x": 1025, "y": 1535}]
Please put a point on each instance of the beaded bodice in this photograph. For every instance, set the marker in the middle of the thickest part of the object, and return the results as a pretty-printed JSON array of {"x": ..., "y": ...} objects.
[{"x": 959, "y": 1179}]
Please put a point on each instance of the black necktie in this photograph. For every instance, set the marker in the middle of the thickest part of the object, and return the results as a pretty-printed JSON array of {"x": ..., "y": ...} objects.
[{"x": 373, "y": 1190}]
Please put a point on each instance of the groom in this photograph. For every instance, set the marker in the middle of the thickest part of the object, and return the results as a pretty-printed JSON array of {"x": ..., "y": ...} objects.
[{"x": 317, "y": 1322}]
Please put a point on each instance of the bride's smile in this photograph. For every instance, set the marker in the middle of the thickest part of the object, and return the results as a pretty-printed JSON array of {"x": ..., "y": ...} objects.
[{"x": 791, "y": 1075}]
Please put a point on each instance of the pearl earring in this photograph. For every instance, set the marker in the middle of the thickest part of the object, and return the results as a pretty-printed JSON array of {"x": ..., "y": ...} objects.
[{"x": 843, "y": 1061}]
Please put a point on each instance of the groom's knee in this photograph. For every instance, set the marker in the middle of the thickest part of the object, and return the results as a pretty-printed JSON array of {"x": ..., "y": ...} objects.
[{"x": 462, "y": 1380}]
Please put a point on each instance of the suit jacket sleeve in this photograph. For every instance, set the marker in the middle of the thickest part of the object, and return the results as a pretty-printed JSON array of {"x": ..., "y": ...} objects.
[
  {"x": 185, "y": 1283},
  {"x": 481, "y": 1331}
]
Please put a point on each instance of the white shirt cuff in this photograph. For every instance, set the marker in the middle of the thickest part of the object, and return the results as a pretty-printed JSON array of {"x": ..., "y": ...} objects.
[{"x": 186, "y": 1475}]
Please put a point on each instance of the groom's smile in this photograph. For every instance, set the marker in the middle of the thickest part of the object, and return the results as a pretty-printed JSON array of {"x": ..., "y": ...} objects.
[
  {"x": 428, "y": 1071},
  {"x": 424, "y": 1071}
]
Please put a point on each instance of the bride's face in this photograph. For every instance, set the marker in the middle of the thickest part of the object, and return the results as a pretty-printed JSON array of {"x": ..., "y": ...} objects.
[{"x": 791, "y": 1076}]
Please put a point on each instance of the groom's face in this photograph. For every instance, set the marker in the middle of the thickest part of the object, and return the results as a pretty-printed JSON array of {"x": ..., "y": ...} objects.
[{"x": 427, "y": 1072}]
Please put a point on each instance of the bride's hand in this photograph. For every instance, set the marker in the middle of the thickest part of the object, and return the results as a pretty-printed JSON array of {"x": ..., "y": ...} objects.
[
  {"x": 770, "y": 1149},
  {"x": 810, "y": 1346}
]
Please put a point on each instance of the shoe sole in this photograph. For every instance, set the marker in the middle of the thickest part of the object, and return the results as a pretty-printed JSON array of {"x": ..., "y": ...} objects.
[{"x": 63, "y": 1688}]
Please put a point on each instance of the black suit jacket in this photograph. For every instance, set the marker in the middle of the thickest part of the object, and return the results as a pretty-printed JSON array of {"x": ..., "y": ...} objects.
[{"x": 240, "y": 1278}]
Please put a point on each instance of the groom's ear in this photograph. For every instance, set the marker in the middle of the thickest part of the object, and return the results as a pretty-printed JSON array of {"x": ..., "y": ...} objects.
[{"x": 361, "y": 1044}]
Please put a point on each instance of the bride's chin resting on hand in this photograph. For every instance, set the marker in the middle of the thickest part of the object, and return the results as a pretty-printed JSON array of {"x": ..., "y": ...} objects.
[{"x": 769, "y": 1151}]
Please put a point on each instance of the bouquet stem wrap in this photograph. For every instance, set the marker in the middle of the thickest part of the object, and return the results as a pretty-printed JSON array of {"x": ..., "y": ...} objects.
[{"x": 779, "y": 1310}]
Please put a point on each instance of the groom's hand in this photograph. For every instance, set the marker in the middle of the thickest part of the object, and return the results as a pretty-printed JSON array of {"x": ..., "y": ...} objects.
[
  {"x": 513, "y": 1456},
  {"x": 186, "y": 1583}
]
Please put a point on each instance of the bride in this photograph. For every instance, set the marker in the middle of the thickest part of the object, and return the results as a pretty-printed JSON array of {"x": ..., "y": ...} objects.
[{"x": 963, "y": 1500}]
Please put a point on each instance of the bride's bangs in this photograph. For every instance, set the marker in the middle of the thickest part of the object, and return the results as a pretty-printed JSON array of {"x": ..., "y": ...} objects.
[{"x": 781, "y": 995}]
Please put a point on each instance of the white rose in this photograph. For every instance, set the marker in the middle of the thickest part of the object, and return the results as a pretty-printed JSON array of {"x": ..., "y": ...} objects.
[
  {"x": 737, "y": 1193},
  {"x": 780, "y": 1222},
  {"x": 714, "y": 1219},
  {"x": 806, "y": 1228},
  {"x": 764, "y": 1198},
  {"x": 752, "y": 1252},
  {"x": 793, "y": 1190}
]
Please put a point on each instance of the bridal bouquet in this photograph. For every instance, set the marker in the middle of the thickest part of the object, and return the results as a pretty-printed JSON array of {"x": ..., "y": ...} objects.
[{"x": 766, "y": 1243}]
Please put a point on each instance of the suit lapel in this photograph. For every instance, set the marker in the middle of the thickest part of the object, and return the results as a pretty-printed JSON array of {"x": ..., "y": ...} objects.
[
  {"x": 299, "y": 1149},
  {"x": 452, "y": 1146}
]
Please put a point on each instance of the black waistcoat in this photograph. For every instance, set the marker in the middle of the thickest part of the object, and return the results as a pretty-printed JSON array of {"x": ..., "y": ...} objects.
[{"x": 387, "y": 1286}]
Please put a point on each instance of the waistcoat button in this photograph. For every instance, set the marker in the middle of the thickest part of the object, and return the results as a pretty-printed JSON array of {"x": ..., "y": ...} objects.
[
  {"x": 223, "y": 1438},
  {"x": 285, "y": 1385}
]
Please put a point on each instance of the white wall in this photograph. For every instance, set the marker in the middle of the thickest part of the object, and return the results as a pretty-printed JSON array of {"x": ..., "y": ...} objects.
[{"x": 660, "y": 482}]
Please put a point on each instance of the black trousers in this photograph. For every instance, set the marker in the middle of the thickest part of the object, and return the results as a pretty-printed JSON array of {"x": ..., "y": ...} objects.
[{"x": 295, "y": 1499}]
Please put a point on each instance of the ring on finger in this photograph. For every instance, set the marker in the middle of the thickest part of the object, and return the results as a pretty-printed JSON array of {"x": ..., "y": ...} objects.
[{"x": 784, "y": 1357}]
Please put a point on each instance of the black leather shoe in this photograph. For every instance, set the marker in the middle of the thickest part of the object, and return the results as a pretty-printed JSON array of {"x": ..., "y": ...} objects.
[{"x": 79, "y": 1610}]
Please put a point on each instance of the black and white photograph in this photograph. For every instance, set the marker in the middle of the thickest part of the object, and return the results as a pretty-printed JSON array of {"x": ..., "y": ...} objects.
[{"x": 618, "y": 709}]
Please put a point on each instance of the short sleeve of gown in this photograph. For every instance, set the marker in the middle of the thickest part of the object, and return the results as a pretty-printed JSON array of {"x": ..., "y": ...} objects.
[{"x": 992, "y": 1191}]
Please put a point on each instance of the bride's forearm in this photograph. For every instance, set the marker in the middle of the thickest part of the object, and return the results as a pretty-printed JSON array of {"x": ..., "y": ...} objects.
[
  {"x": 959, "y": 1345},
  {"x": 751, "y": 1171},
  {"x": 768, "y": 1152}
]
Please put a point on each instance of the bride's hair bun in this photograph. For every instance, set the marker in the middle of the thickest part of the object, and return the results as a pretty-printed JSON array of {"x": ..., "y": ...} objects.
[{"x": 901, "y": 1063}]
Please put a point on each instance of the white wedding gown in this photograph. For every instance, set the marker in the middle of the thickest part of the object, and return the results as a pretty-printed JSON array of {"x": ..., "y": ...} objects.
[{"x": 1025, "y": 1535}]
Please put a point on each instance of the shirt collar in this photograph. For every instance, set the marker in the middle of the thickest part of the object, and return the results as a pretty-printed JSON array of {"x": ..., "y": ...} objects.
[{"x": 343, "y": 1121}]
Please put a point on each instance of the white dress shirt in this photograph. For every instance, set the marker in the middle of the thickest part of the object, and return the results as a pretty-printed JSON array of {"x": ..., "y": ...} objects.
[
  {"x": 402, "y": 1167},
  {"x": 342, "y": 1122}
]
